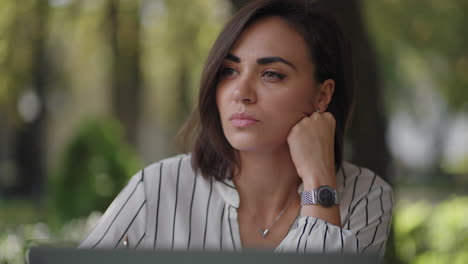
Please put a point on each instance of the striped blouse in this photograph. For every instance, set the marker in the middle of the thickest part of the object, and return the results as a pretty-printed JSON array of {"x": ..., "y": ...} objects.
[{"x": 169, "y": 206}]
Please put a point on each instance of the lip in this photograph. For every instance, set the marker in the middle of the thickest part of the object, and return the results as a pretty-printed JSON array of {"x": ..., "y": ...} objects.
[{"x": 242, "y": 120}]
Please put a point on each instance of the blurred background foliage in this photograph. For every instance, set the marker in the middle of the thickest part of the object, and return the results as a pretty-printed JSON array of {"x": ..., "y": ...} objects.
[
  {"x": 105, "y": 165},
  {"x": 432, "y": 233},
  {"x": 92, "y": 90}
]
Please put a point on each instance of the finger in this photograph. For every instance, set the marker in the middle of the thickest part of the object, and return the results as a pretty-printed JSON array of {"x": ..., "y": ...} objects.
[
  {"x": 328, "y": 115},
  {"x": 315, "y": 115}
]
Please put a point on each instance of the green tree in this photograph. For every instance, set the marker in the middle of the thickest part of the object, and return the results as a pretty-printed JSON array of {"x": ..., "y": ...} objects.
[
  {"x": 23, "y": 88},
  {"x": 124, "y": 39}
]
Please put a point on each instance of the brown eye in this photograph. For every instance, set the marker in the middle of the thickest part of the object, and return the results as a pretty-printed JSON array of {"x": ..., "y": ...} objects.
[
  {"x": 273, "y": 76},
  {"x": 226, "y": 72}
]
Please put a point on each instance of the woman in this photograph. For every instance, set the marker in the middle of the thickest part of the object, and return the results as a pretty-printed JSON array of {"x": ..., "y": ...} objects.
[{"x": 266, "y": 169}]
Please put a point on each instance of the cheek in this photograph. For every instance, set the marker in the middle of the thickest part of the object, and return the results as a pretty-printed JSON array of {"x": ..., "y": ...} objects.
[
  {"x": 219, "y": 99},
  {"x": 289, "y": 109},
  {"x": 284, "y": 115},
  {"x": 294, "y": 104},
  {"x": 222, "y": 105}
]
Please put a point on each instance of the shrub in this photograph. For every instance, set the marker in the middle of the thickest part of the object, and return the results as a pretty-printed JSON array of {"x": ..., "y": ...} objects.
[
  {"x": 426, "y": 233},
  {"x": 95, "y": 167}
]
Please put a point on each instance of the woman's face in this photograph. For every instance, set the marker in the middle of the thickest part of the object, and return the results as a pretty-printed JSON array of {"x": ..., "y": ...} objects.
[{"x": 266, "y": 86}]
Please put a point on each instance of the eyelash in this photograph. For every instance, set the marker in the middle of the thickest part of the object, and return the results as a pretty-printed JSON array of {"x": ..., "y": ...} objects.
[
  {"x": 224, "y": 70},
  {"x": 227, "y": 72},
  {"x": 273, "y": 75}
]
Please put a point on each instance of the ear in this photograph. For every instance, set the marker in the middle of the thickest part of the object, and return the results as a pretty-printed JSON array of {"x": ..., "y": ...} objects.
[{"x": 324, "y": 96}]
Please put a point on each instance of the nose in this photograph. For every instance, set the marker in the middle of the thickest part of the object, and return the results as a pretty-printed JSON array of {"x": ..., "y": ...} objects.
[{"x": 244, "y": 91}]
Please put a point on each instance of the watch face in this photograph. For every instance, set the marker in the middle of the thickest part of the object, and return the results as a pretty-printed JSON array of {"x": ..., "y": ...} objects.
[{"x": 325, "y": 196}]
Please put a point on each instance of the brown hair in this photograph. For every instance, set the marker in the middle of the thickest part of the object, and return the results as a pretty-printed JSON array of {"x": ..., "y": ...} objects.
[{"x": 212, "y": 154}]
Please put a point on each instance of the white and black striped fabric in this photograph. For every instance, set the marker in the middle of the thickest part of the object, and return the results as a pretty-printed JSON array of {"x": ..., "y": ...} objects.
[{"x": 168, "y": 206}]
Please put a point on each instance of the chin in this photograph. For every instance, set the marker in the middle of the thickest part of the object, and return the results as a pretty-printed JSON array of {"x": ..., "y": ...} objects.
[
  {"x": 255, "y": 145},
  {"x": 243, "y": 144}
]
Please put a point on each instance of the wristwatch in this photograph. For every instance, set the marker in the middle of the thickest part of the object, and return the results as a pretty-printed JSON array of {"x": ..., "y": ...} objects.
[{"x": 324, "y": 195}]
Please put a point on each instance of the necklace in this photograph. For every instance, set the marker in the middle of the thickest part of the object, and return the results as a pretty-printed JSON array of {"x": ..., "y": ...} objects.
[{"x": 264, "y": 232}]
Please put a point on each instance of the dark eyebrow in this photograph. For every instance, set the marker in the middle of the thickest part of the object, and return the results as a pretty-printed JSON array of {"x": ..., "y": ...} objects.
[
  {"x": 268, "y": 60},
  {"x": 261, "y": 61},
  {"x": 232, "y": 58}
]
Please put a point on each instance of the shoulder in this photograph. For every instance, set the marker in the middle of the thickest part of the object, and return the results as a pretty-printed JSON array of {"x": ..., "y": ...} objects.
[
  {"x": 170, "y": 166},
  {"x": 356, "y": 177},
  {"x": 166, "y": 174},
  {"x": 361, "y": 185}
]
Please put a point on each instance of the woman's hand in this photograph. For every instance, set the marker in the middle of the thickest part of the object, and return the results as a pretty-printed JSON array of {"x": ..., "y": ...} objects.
[{"x": 311, "y": 143}]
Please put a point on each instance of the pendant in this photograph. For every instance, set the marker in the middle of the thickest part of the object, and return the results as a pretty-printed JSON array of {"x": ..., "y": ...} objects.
[{"x": 263, "y": 233}]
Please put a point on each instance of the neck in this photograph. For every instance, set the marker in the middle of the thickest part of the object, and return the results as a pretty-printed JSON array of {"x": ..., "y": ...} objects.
[{"x": 266, "y": 182}]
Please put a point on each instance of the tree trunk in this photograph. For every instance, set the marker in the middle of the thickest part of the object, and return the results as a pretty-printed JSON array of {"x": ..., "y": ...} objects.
[
  {"x": 126, "y": 79},
  {"x": 368, "y": 127},
  {"x": 31, "y": 139}
]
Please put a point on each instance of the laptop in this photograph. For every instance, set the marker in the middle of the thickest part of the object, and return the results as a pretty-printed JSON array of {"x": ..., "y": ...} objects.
[{"x": 50, "y": 255}]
